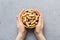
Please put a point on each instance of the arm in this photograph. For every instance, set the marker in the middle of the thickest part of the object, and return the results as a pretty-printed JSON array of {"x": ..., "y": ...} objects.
[
  {"x": 39, "y": 27},
  {"x": 21, "y": 28},
  {"x": 20, "y": 36},
  {"x": 40, "y": 36}
]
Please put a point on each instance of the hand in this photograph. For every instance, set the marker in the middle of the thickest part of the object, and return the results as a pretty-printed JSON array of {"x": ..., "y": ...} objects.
[
  {"x": 21, "y": 28},
  {"x": 39, "y": 27}
]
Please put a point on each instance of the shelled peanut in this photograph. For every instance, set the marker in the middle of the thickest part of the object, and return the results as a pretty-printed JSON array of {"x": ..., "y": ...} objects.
[{"x": 30, "y": 18}]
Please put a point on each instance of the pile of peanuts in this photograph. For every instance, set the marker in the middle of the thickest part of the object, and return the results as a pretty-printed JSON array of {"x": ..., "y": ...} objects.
[{"x": 30, "y": 18}]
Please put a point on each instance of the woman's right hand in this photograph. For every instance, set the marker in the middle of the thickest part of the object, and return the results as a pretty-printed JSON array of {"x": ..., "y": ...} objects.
[{"x": 39, "y": 27}]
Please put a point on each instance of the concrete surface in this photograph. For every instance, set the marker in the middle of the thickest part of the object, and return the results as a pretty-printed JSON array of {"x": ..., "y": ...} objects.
[{"x": 9, "y": 10}]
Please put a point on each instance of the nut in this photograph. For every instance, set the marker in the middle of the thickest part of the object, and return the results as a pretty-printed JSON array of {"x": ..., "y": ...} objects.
[{"x": 30, "y": 18}]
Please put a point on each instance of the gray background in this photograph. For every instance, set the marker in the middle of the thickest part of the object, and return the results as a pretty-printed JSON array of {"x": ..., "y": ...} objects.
[{"x": 9, "y": 10}]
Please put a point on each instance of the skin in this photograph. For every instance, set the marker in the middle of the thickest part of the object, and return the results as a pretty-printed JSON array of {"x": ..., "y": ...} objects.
[
  {"x": 21, "y": 29},
  {"x": 38, "y": 29}
]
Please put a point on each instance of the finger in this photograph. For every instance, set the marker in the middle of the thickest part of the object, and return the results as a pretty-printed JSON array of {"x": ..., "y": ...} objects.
[
  {"x": 40, "y": 23},
  {"x": 40, "y": 17},
  {"x": 22, "y": 11},
  {"x": 17, "y": 23},
  {"x": 37, "y": 11},
  {"x": 18, "y": 16},
  {"x": 39, "y": 26},
  {"x": 17, "y": 19}
]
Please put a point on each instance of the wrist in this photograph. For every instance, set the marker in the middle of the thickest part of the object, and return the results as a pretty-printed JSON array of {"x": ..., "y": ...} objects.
[
  {"x": 37, "y": 32},
  {"x": 40, "y": 36},
  {"x": 20, "y": 36}
]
